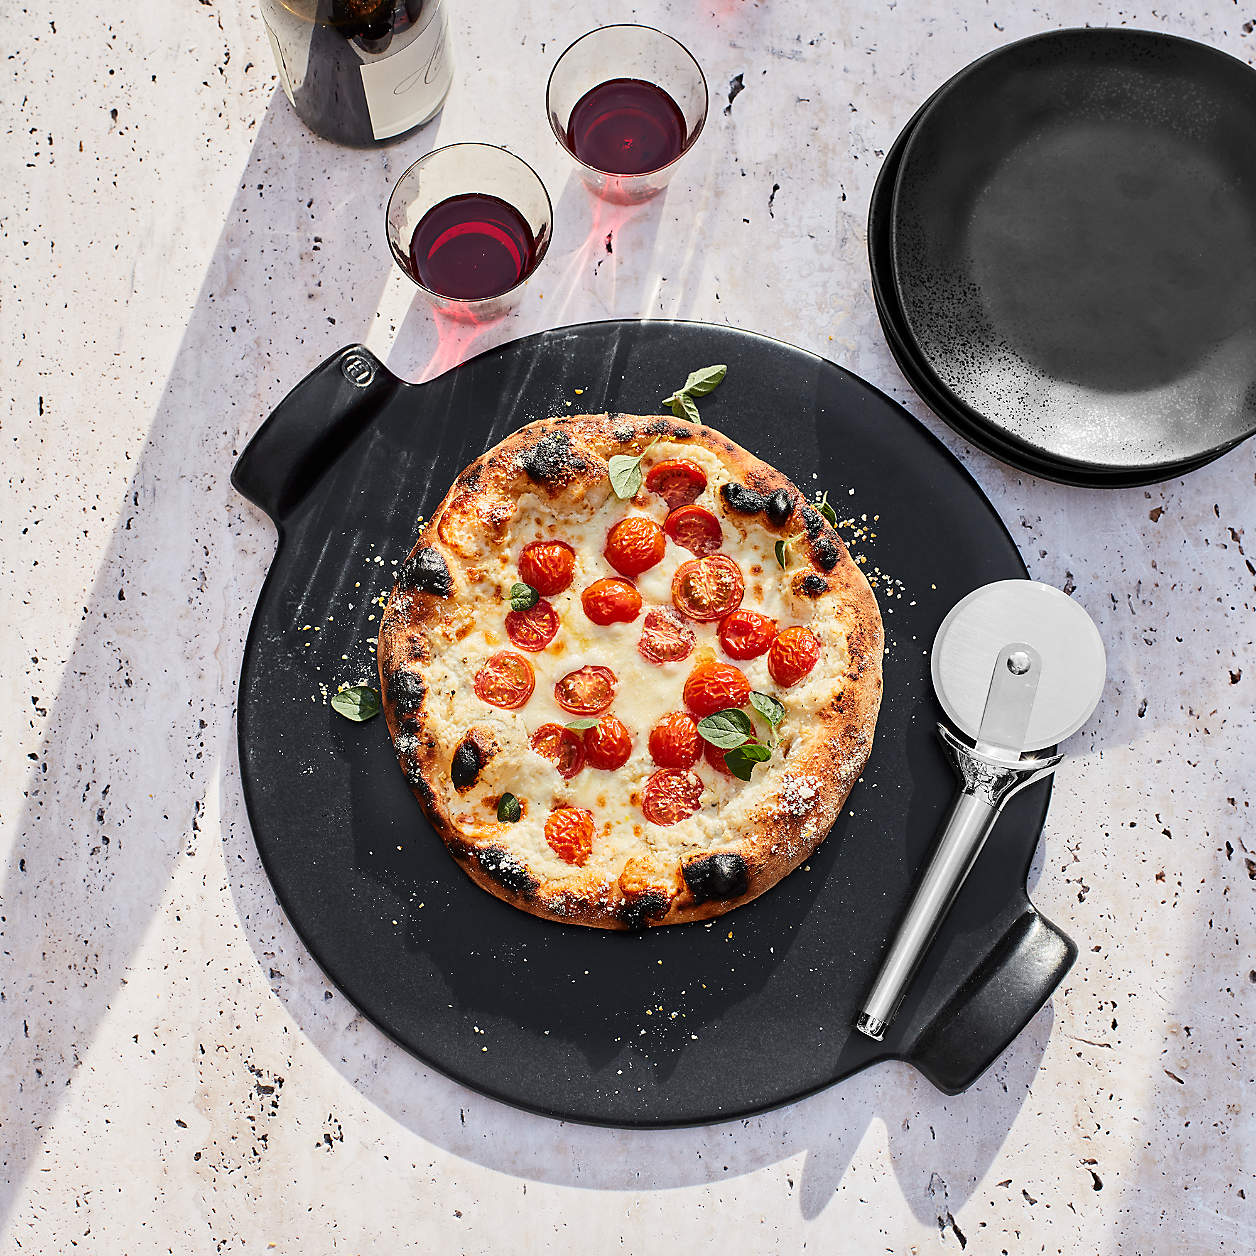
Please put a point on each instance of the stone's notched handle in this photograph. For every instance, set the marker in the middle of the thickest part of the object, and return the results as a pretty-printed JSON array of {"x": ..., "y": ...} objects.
[
  {"x": 1002, "y": 996},
  {"x": 309, "y": 429}
]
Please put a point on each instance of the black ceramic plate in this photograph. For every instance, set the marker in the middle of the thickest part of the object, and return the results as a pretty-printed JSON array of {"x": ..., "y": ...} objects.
[
  {"x": 673, "y": 1026},
  {"x": 964, "y": 421},
  {"x": 1074, "y": 247}
]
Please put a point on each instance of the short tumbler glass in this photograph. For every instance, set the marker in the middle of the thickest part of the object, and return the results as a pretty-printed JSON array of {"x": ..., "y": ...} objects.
[
  {"x": 461, "y": 170},
  {"x": 626, "y": 52}
]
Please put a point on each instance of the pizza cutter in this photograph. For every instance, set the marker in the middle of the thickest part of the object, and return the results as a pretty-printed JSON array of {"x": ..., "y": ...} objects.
[{"x": 1018, "y": 666}]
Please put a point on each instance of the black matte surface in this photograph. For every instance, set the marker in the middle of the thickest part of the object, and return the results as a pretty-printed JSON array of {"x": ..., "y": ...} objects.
[
  {"x": 1074, "y": 247},
  {"x": 678, "y": 1025}
]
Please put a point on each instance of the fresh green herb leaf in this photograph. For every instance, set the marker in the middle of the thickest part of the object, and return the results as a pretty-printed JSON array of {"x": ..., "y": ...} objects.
[
  {"x": 357, "y": 704},
  {"x": 508, "y": 809},
  {"x": 522, "y": 596},
  {"x": 581, "y": 723},
  {"x": 781, "y": 547},
  {"x": 741, "y": 759},
  {"x": 625, "y": 473},
  {"x": 827, "y": 510},
  {"x": 727, "y": 728},
  {"x": 683, "y": 408},
  {"x": 704, "y": 380},
  {"x": 767, "y": 706}
]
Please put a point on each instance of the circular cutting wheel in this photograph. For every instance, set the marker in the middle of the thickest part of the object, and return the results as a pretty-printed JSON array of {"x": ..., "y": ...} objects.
[{"x": 978, "y": 628}]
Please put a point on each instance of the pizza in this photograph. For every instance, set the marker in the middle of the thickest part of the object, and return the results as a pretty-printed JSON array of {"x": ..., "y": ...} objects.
[{"x": 630, "y": 672}]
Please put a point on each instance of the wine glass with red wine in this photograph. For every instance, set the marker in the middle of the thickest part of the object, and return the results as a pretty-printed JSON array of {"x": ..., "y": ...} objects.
[
  {"x": 627, "y": 102},
  {"x": 468, "y": 224}
]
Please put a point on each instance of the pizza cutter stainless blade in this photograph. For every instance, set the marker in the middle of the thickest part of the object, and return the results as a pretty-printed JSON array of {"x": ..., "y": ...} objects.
[{"x": 1018, "y": 666}]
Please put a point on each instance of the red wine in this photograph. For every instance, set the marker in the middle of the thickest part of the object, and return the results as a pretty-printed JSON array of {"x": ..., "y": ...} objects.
[
  {"x": 360, "y": 71},
  {"x": 472, "y": 246},
  {"x": 626, "y": 126}
]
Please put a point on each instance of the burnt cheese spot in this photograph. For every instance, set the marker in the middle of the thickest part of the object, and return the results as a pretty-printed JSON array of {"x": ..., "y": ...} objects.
[
  {"x": 722, "y": 875},
  {"x": 636, "y": 913},
  {"x": 505, "y": 869},
  {"x": 552, "y": 460},
  {"x": 425, "y": 570},
  {"x": 745, "y": 501},
  {"x": 826, "y": 550},
  {"x": 813, "y": 586},
  {"x": 780, "y": 506},
  {"x": 405, "y": 692},
  {"x": 465, "y": 768}
]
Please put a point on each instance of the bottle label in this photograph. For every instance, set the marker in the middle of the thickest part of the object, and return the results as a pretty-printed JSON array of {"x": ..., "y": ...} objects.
[{"x": 407, "y": 87}]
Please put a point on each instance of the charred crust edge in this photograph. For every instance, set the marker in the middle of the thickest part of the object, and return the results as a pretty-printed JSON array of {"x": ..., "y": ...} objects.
[
  {"x": 425, "y": 571},
  {"x": 505, "y": 869},
  {"x": 553, "y": 460},
  {"x": 637, "y": 913},
  {"x": 718, "y": 876},
  {"x": 827, "y": 551},
  {"x": 405, "y": 691}
]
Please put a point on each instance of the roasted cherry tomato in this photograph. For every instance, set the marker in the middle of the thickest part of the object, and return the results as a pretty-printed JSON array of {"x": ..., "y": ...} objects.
[
  {"x": 793, "y": 655},
  {"x": 674, "y": 741},
  {"x": 534, "y": 628},
  {"x": 586, "y": 691},
  {"x": 569, "y": 832},
  {"x": 670, "y": 796},
  {"x": 694, "y": 529},
  {"x": 714, "y": 686},
  {"x": 611, "y": 601},
  {"x": 714, "y": 755},
  {"x": 547, "y": 566},
  {"x": 677, "y": 481},
  {"x": 608, "y": 744},
  {"x": 747, "y": 634},
  {"x": 708, "y": 588},
  {"x": 563, "y": 747},
  {"x": 665, "y": 637},
  {"x": 505, "y": 680},
  {"x": 635, "y": 545}
]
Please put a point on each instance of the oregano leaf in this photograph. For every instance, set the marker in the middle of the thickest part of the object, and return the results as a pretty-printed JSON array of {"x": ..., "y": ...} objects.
[
  {"x": 780, "y": 552},
  {"x": 523, "y": 596},
  {"x": 577, "y": 725},
  {"x": 704, "y": 380},
  {"x": 683, "y": 408},
  {"x": 726, "y": 729},
  {"x": 827, "y": 510},
  {"x": 508, "y": 809},
  {"x": 741, "y": 760},
  {"x": 767, "y": 706},
  {"x": 358, "y": 704},
  {"x": 625, "y": 475}
]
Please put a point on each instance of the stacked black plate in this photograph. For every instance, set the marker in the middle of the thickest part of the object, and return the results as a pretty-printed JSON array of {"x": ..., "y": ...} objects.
[{"x": 1063, "y": 253}]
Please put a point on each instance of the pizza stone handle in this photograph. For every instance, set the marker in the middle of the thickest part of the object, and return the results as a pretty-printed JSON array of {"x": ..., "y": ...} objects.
[
  {"x": 309, "y": 429},
  {"x": 997, "y": 1001}
]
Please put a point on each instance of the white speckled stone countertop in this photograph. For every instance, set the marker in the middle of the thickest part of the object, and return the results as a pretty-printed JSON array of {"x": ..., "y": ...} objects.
[{"x": 175, "y": 1072}]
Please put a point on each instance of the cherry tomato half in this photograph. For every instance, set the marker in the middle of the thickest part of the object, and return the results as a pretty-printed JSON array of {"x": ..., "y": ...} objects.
[
  {"x": 586, "y": 691},
  {"x": 547, "y": 566},
  {"x": 674, "y": 741},
  {"x": 694, "y": 529},
  {"x": 677, "y": 481},
  {"x": 714, "y": 686},
  {"x": 708, "y": 588},
  {"x": 534, "y": 628},
  {"x": 563, "y": 747},
  {"x": 505, "y": 680},
  {"x": 793, "y": 655},
  {"x": 665, "y": 637},
  {"x": 747, "y": 634},
  {"x": 569, "y": 832},
  {"x": 611, "y": 601},
  {"x": 635, "y": 545},
  {"x": 671, "y": 796},
  {"x": 608, "y": 744}
]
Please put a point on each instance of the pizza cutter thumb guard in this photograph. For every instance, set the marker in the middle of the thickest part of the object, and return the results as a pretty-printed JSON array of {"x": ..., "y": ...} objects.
[{"x": 1018, "y": 666}]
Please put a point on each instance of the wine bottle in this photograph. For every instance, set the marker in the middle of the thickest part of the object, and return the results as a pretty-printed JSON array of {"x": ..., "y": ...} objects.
[{"x": 361, "y": 71}]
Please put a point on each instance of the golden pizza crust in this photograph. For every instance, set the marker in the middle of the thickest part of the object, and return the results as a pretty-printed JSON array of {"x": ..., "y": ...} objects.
[{"x": 446, "y": 588}]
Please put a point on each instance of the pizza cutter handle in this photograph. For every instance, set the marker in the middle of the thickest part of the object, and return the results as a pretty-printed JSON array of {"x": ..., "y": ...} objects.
[
  {"x": 986, "y": 783},
  {"x": 309, "y": 429}
]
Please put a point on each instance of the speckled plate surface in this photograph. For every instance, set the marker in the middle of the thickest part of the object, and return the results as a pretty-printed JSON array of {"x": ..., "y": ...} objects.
[
  {"x": 690, "y": 1023},
  {"x": 1073, "y": 241}
]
